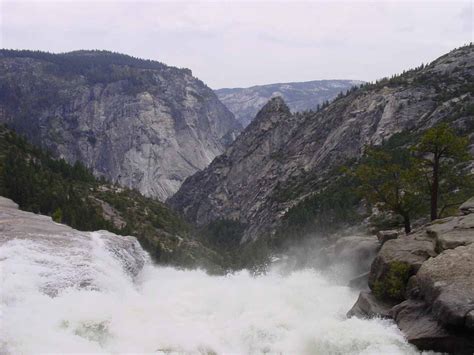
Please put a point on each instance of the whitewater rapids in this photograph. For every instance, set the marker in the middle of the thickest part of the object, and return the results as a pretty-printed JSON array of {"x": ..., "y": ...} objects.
[{"x": 96, "y": 293}]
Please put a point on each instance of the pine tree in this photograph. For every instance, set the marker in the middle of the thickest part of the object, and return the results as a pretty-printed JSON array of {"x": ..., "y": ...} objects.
[{"x": 440, "y": 154}]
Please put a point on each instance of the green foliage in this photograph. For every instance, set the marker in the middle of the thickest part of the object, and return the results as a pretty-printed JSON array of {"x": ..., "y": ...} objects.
[
  {"x": 443, "y": 142},
  {"x": 144, "y": 216},
  {"x": 393, "y": 286},
  {"x": 387, "y": 179},
  {"x": 40, "y": 184},
  {"x": 325, "y": 211},
  {"x": 385, "y": 220},
  {"x": 70, "y": 194},
  {"x": 95, "y": 66},
  {"x": 254, "y": 255},
  {"x": 441, "y": 157},
  {"x": 57, "y": 215},
  {"x": 407, "y": 173},
  {"x": 225, "y": 236}
]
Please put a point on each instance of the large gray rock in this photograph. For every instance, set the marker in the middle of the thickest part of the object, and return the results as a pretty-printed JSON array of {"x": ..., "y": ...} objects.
[
  {"x": 411, "y": 251},
  {"x": 436, "y": 290},
  {"x": 140, "y": 123},
  {"x": 439, "y": 314},
  {"x": 468, "y": 206},
  {"x": 446, "y": 283},
  {"x": 386, "y": 235},
  {"x": 452, "y": 232},
  {"x": 368, "y": 306},
  {"x": 281, "y": 158},
  {"x": 245, "y": 103},
  {"x": 422, "y": 329}
]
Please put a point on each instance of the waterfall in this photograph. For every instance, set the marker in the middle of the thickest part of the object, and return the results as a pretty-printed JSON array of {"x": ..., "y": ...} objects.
[{"x": 68, "y": 291}]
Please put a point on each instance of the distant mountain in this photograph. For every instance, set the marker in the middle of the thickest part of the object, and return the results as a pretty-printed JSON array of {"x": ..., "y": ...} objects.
[
  {"x": 281, "y": 159},
  {"x": 137, "y": 122},
  {"x": 244, "y": 103}
]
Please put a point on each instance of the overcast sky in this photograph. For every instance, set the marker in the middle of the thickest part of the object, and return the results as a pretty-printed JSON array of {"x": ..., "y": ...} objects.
[{"x": 244, "y": 43}]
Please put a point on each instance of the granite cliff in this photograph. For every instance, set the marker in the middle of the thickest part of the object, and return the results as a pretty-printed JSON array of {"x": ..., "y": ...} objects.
[
  {"x": 137, "y": 122},
  {"x": 245, "y": 103},
  {"x": 281, "y": 158}
]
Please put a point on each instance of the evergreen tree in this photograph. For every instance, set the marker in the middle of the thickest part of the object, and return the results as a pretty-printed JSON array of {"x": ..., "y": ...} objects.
[
  {"x": 440, "y": 154},
  {"x": 387, "y": 180}
]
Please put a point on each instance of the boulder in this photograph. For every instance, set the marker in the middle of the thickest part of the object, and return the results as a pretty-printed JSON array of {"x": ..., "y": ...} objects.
[
  {"x": 468, "y": 206},
  {"x": 430, "y": 273},
  {"x": 452, "y": 232},
  {"x": 439, "y": 315},
  {"x": 423, "y": 330},
  {"x": 383, "y": 236},
  {"x": 368, "y": 306},
  {"x": 447, "y": 284},
  {"x": 397, "y": 261}
]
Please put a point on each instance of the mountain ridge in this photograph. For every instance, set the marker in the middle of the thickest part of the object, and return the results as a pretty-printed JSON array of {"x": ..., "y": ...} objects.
[
  {"x": 300, "y": 96},
  {"x": 137, "y": 122},
  {"x": 258, "y": 189}
]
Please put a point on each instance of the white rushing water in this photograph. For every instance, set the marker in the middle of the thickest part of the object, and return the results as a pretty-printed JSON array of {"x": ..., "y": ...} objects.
[{"x": 164, "y": 310}]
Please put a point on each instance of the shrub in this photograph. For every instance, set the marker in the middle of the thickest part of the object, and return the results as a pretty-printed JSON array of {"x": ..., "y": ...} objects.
[{"x": 394, "y": 284}]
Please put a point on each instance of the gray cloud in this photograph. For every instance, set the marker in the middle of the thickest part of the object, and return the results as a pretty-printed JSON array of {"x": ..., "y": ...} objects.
[{"x": 242, "y": 43}]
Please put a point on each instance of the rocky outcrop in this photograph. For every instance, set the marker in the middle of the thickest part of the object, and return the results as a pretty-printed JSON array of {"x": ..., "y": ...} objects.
[
  {"x": 368, "y": 306},
  {"x": 431, "y": 294},
  {"x": 357, "y": 251},
  {"x": 406, "y": 253},
  {"x": 140, "y": 123},
  {"x": 235, "y": 185},
  {"x": 37, "y": 234},
  {"x": 245, "y": 103},
  {"x": 467, "y": 207},
  {"x": 387, "y": 235},
  {"x": 440, "y": 316},
  {"x": 452, "y": 232},
  {"x": 281, "y": 158}
]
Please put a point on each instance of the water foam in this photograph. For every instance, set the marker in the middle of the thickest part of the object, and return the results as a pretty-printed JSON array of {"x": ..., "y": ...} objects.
[{"x": 164, "y": 310}]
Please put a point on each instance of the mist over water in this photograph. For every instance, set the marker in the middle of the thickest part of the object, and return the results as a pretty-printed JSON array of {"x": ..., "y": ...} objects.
[{"x": 165, "y": 310}]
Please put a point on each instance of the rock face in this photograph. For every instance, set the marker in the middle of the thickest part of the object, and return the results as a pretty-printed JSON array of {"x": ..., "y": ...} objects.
[
  {"x": 243, "y": 171},
  {"x": 245, "y": 103},
  {"x": 435, "y": 307},
  {"x": 140, "y": 123},
  {"x": 280, "y": 156}
]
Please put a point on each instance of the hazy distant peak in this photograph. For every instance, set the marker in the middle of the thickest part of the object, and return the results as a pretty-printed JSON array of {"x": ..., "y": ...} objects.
[{"x": 244, "y": 103}]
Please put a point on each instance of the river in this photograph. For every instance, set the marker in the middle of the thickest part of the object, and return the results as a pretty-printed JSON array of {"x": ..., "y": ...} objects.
[{"x": 96, "y": 295}]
